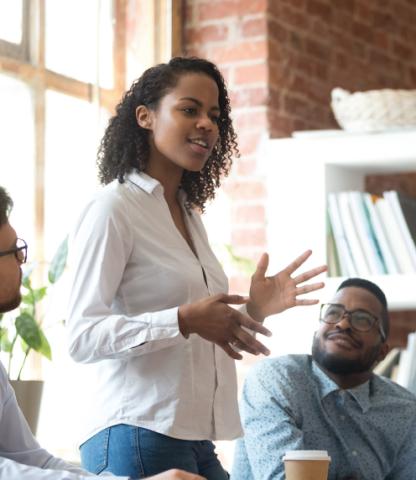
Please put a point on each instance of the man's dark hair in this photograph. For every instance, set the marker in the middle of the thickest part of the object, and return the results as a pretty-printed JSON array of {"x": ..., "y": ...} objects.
[
  {"x": 6, "y": 204},
  {"x": 376, "y": 291},
  {"x": 125, "y": 147}
]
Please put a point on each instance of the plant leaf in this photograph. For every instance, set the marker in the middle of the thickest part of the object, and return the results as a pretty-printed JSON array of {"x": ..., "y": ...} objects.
[
  {"x": 26, "y": 275},
  {"x": 243, "y": 264},
  {"x": 45, "y": 348},
  {"x": 39, "y": 293},
  {"x": 29, "y": 330},
  {"x": 29, "y": 298},
  {"x": 58, "y": 263},
  {"x": 5, "y": 343}
]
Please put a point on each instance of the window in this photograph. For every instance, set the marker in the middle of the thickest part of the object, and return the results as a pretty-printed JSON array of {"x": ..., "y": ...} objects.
[{"x": 64, "y": 65}]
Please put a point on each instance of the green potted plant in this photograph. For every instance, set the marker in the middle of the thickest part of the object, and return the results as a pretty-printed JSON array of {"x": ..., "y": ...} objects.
[{"x": 21, "y": 333}]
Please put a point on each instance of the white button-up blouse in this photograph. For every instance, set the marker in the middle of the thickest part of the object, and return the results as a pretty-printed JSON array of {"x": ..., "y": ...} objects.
[{"x": 131, "y": 269}]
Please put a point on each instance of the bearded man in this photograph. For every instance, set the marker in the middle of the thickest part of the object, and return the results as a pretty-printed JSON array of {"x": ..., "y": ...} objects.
[{"x": 331, "y": 400}]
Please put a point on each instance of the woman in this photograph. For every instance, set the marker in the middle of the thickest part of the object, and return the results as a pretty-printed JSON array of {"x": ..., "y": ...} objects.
[{"x": 149, "y": 300}]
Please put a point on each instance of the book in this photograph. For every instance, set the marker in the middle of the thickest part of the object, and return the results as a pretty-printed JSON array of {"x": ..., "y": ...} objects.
[
  {"x": 406, "y": 376},
  {"x": 366, "y": 234},
  {"x": 408, "y": 205},
  {"x": 395, "y": 239},
  {"x": 380, "y": 237},
  {"x": 346, "y": 262},
  {"x": 351, "y": 235},
  {"x": 334, "y": 269},
  {"x": 392, "y": 197}
]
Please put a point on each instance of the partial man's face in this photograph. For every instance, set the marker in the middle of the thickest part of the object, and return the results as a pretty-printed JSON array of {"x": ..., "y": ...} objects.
[
  {"x": 342, "y": 350},
  {"x": 10, "y": 271}
]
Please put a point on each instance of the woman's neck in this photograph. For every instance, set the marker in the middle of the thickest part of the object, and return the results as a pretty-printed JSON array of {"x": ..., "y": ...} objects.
[{"x": 170, "y": 180}]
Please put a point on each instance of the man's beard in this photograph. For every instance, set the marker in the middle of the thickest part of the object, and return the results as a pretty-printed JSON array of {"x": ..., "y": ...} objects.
[
  {"x": 340, "y": 365},
  {"x": 11, "y": 304}
]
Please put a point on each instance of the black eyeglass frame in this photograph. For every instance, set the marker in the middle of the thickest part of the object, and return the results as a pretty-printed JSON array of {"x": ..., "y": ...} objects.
[
  {"x": 376, "y": 320},
  {"x": 15, "y": 251}
]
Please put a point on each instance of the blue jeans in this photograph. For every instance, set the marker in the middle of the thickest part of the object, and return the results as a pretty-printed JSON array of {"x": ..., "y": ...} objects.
[{"x": 138, "y": 453}]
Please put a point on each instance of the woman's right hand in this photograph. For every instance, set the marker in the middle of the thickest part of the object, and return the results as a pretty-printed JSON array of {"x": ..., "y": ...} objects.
[{"x": 213, "y": 319}]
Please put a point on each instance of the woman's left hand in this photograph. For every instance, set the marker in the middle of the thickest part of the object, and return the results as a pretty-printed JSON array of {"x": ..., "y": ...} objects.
[{"x": 271, "y": 295}]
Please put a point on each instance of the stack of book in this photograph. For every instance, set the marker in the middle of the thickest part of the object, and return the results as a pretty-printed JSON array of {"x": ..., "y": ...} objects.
[{"x": 371, "y": 235}]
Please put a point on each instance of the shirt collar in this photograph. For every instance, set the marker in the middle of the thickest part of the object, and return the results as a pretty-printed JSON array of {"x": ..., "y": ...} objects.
[
  {"x": 143, "y": 181},
  {"x": 326, "y": 385},
  {"x": 150, "y": 184}
]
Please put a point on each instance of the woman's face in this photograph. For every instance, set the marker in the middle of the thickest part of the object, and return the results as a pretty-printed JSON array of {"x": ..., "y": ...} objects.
[{"x": 183, "y": 129}]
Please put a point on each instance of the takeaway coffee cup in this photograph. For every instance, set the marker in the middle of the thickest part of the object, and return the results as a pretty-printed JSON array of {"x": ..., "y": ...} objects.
[{"x": 306, "y": 464}]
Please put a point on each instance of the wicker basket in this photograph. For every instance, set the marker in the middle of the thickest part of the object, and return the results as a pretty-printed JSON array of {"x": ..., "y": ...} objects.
[{"x": 374, "y": 110}]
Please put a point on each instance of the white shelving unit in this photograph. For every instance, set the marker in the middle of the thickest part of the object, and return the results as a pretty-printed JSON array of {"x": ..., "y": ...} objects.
[{"x": 302, "y": 170}]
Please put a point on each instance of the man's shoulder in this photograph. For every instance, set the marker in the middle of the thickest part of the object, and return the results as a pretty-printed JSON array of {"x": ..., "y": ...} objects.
[
  {"x": 283, "y": 366},
  {"x": 388, "y": 390}
]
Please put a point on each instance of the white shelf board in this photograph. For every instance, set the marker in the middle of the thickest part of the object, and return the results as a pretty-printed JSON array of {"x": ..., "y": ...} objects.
[{"x": 386, "y": 152}]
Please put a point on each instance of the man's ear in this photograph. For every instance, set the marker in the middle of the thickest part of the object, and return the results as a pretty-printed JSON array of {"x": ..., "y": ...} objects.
[
  {"x": 384, "y": 350},
  {"x": 144, "y": 117}
]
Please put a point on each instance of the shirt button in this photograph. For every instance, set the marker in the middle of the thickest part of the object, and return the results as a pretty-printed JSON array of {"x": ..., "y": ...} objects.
[{"x": 354, "y": 453}]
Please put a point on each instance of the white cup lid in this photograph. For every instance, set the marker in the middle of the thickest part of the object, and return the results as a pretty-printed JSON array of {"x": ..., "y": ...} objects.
[{"x": 307, "y": 455}]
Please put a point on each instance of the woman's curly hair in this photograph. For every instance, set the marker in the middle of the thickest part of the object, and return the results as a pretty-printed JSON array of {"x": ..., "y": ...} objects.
[{"x": 125, "y": 145}]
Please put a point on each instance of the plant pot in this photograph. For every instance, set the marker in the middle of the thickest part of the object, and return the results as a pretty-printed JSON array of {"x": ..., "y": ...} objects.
[{"x": 29, "y": 395}]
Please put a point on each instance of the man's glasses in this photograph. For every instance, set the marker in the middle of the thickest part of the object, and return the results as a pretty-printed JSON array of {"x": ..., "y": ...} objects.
[
  {"x": 360, "y": 320},
  {"x": 19, "y": 251}
]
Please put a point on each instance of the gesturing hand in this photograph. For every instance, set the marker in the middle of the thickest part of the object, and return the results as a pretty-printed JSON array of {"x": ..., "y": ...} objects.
[
  {"x": 213, "y": 319},
  {"x": 271, "y": 295}
]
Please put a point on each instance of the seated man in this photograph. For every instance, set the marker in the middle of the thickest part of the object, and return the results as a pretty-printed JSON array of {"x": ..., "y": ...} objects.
[
  {"x": 21, "y": 457},
  {"x": 331, "y": 400}
]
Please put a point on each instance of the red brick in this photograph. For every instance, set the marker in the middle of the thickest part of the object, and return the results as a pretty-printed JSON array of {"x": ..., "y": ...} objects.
[
  {"x": 361, "y": 31},
  {"x": 254, "y": 27},
  {"x": 248, "y": 214},
  {"x": 294, "y": 18},
  {"x": 249, "y": 97},
  {"x": 249, "y": 237},
  {"x": 218, "y": 9},
  {"x": 277, "y": 31},
  {"x": 247, "y": 166},
  {"x": 318, "y": 49},
  {"x": 249, "y": 142},
  {"x": 364, "y": 13},
  {"x": 248, "y": 189},
  {"x": 246, "y": 50},
  {"x": 345, "y": 5},
  {"x": 403, "y": 51},
  {"x": 319, "y": 9},
  {"x": 246, "y": 120},
  {"x": 381, "y": 40},
  {"x": 385, "y": 22},
  {"x": 209, "y": 33},
  {"x": 378, "y": 59},
  {"x": 248, "y": 74},
  {"x": 281, "y": 125},
  {"x": 405, "y": 13}
]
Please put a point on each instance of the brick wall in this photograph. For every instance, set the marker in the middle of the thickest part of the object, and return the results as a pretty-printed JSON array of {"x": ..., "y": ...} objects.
[
  {"x": 281, "y": 58},
  {"x": 233, "y": 34},
  {"x": 316, "y": 45}
]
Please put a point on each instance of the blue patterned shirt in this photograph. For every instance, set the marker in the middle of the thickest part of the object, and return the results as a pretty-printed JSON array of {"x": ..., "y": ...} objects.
[{"x": 289, "y": 403}]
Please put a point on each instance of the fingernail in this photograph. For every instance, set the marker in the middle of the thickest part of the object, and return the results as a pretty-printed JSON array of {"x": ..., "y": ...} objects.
[
  {"x": 267, "y": 352},
  {"x": 269, "y": 334}
]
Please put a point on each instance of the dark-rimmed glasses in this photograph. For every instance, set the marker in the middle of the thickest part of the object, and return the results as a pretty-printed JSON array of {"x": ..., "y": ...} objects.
[
  {"x": 360, "y": 320},
  {"x": 19, "y": 251}
]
